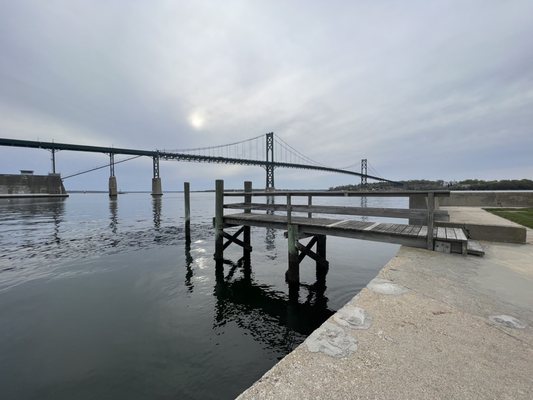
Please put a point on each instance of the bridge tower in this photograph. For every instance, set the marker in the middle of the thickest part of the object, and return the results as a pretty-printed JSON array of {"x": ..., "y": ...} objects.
[
  {"x": 53, "y": 151},
  {"x": 112, "y": 178},
  {"x": 269, "y": 159},
  {"x": 364, "y": 171},
  {"x": 156, "y": 180}
]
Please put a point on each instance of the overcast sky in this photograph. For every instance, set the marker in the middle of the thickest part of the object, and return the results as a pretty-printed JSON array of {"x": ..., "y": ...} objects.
[{"x": 422, "y": 89}]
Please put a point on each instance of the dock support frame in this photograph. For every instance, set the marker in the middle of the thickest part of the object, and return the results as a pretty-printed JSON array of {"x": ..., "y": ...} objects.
[{"x": 220, "y": 235}]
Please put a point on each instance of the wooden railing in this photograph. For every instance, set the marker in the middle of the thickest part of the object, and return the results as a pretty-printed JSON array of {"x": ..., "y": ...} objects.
[{"x": 428, "y": 214}]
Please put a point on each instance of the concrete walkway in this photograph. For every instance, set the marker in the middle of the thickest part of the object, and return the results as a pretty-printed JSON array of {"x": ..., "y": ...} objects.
[{"x": 430, "y": 326}]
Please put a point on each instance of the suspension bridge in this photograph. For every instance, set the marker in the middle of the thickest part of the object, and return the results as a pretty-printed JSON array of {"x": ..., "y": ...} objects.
[{"x": 268, "y": 151}]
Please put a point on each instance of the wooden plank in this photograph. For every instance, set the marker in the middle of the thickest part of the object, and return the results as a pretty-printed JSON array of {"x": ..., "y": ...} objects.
[
  {"x": 460, "y": 234},
  {"x": 441, "y": 233},
  {"x": 389, "y": 228},
  {"x": 356, "y": 225},
  {"x": 411, "y": 230},
  {"x": 401, "y": 229},
  {"x": 416, "y": 230},
  {"x": 450, "y": 234},
  {"x": 370, "y": 227},
  {"x": 475, "y": 248},
  {"x": 423, "y": 232},
  {"x": 383, "y": 227},
  {"x": 337, "y": 223}
]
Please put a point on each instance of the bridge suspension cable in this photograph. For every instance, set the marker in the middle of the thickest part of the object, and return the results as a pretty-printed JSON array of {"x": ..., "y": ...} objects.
[
  {"x": 251, "y": 149},
  {"x": 291, "y": 154},
  {"x": 247, "y": 149},
  {"x": 99, "y": 167}
]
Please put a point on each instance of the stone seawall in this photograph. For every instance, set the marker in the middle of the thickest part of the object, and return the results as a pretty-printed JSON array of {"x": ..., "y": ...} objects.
[
  {"x": 488, "y": 199},
  {"x": 478, "y": 199},
  {"x": 430, "y": 326},
  {"x": 28, "y": 185}
]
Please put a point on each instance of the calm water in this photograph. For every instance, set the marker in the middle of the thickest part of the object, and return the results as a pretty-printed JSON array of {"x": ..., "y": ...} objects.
[{"x": 103, "y": 299}]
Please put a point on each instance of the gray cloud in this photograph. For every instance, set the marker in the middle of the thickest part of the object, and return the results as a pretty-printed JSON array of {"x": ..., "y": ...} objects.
[{"x": 439, "y": 89}]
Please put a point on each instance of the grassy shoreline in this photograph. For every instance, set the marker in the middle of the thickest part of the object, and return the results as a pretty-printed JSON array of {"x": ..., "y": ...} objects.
[{"x": 522, "y": 216}]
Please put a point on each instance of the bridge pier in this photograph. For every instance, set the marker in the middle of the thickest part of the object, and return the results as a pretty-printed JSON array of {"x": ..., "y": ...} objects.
[
  {"x": 113, "y": 191},
  {"x": 156, "y": 180}
]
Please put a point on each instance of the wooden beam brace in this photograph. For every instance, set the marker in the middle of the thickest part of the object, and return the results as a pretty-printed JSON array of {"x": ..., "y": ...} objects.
[
  {"x": 307, "y": 248},
  {"x": 305, "y": 251},
  {"x": 234, "y": 239}
]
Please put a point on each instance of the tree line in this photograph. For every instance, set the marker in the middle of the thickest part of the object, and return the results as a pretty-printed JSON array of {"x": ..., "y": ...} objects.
[{"x": 423, "y": 184}]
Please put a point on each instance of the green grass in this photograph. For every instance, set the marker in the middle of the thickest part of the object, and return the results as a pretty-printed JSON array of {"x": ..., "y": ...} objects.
[{"x": 522, "y": 216}]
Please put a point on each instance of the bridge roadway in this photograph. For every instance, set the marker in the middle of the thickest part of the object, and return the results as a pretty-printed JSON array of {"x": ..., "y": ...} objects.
[{"x": 156, "y": 155}]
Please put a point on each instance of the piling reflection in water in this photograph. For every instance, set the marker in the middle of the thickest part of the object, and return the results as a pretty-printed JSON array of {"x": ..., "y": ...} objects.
[
  {"x": 189, "y": 274},
  {"x": 364, "y": 203},
  {"x": 156, "y": 207},
  {"x": 113, "y": 211},
  {"x": 270, "y": 236},
  {"x": 277, "y": 320}
]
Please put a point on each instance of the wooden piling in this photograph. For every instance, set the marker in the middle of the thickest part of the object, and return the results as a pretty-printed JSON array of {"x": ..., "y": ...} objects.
[
  {"x": 430, "y": 219},
  {"x": 289, "y": 209},
  {"x": 187, "y": 205},
  {"x": 246, "y": 232},
  {"x": 293, "y": 273},
  {"x": 219, "y": 219},
  {"x": 309, "y": 203}
]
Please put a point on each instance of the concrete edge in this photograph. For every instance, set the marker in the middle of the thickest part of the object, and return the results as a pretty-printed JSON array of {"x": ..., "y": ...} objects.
[{"x": 351, "y": 302}]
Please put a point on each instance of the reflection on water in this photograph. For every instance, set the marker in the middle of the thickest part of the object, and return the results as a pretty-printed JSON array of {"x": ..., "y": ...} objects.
[
  {"x": 156, "y": 210},
  {"x": 277, "y": 320},
  {"x": 113, "y": 210},
  {"x": 189, "y": 260},
  {"x": 364, "y": 203},
  {"x": 109, "y": 300}
]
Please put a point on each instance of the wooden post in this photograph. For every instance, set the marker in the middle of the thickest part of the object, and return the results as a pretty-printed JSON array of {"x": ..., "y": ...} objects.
[
  {"x": 293, "y": 273},
  {"x": 430, "y": 219},
  {"x": 219, "y": 219},
  {"x": 187, "y": 205},
  {"x": 321, "y": 247},
  {"x": 289, "y": 210},
  {"x": 309, "y": 203},
  {"x": 246, "y": 232}
]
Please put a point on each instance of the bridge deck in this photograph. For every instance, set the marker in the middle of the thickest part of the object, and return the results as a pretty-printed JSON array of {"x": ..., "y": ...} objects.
[{"x": 410, "y": 235}]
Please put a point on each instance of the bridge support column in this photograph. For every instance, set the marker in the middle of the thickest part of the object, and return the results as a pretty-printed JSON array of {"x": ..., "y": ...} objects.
[
  {"x": 53, "y": 161},
  {"x": 156, "y": 180},
  {"x": 113, "y": 191},
  {"x": 156, "y": 187}
]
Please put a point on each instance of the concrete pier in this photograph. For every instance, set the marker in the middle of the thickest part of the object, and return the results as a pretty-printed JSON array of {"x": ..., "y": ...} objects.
[
  {"x": 113, "y": 191},
  {"x": 429, "y": 326},
  {"x": 157, "y": 190}
]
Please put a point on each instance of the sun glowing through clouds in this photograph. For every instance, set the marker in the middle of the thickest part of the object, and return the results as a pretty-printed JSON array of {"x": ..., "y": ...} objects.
[{"x": 197, "y": 120}]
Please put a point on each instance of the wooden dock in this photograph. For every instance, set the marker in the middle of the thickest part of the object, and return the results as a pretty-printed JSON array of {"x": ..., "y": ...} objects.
[
  {"x": 334, "y": 224},
  {"x": 408, "y": 235}
]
